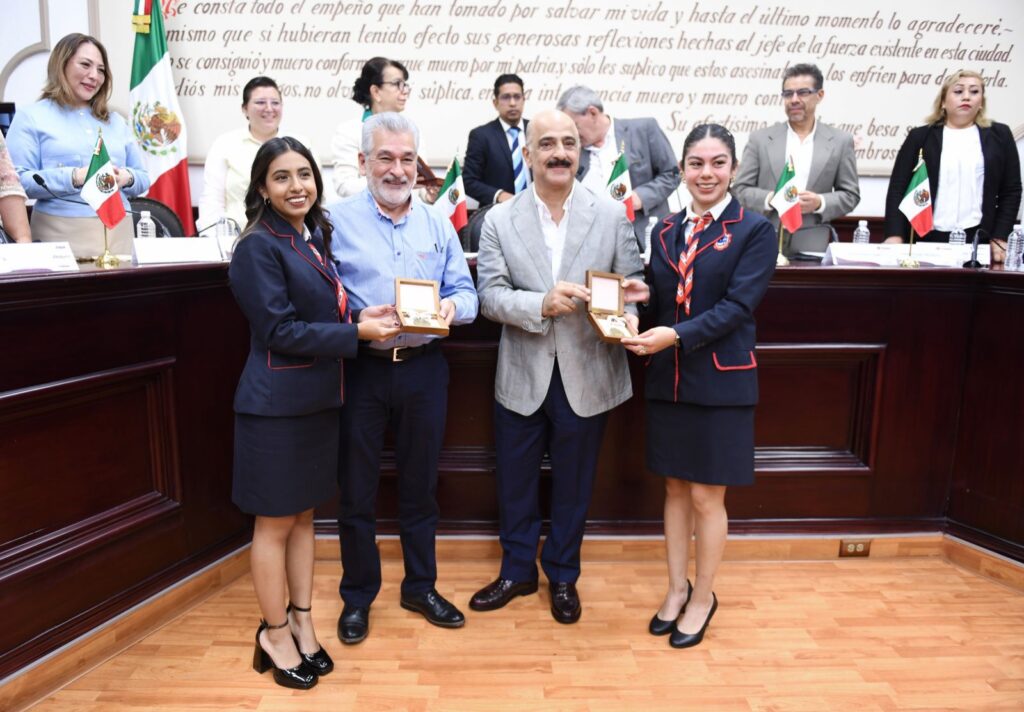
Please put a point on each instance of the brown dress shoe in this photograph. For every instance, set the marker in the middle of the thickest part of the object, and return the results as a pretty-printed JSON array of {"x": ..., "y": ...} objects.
[
  {"x": 565, "y": 602},
  {"x": 499, "y": 592}
]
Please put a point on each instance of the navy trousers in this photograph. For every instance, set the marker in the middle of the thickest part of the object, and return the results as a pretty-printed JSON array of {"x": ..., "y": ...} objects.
[
  {"x": 573, "y": 444},
  {"x": 411, "y": 398}
]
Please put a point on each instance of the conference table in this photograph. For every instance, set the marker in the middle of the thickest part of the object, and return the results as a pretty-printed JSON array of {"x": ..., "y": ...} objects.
[{"x": 891, "y": 401}]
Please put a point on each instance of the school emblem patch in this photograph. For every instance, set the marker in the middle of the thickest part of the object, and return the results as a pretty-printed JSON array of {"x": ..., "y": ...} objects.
[{"x": 723, "y": 242}]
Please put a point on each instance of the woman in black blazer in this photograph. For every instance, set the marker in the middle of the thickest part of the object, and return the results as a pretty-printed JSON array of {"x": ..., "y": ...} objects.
[
  {"x": 289, "y": 396},
  {"x": 971, "y": 160},
  {"x": 710, "y": 266}
]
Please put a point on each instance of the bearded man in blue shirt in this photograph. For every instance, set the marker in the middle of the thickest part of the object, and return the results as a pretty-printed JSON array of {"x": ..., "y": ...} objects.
[{"x": 381, "y": 233}]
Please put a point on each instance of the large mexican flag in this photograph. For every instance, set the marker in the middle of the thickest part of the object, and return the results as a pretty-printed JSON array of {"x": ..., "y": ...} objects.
[{"x": 156, "y": 116}]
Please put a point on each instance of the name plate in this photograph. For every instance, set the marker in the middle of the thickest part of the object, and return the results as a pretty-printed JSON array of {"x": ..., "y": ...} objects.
[
  {"x": 928, "y": 254},
  {"x": 175, "y": 250},
  {"x": 28, "y": 257}
]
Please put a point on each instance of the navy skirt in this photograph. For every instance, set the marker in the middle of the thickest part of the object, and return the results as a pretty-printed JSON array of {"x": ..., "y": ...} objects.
[
  {"x": 286, "y": 465},
  {"x": 710, "y": 445}
]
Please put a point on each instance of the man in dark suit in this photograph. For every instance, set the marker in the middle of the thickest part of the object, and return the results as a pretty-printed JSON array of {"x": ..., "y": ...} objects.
[
  {"x": 494, "y": 170},
  {"x": 653, "y": 167}
]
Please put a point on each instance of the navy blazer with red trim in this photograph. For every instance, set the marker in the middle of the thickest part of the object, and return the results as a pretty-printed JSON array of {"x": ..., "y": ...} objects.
[
  {"x": 715, "y": 364},
  {"x": 298, "y": 342}
]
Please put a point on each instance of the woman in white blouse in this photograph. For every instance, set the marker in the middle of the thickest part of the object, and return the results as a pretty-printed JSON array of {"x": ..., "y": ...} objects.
[
  {"x": 973, "y": 169},
  {"x": 228, "y": 165}
]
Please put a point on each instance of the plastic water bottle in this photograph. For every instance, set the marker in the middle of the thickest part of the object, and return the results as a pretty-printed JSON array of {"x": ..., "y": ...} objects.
[
  {"x": 145, "y": 227},
  {"x": 862, "y": 236},
  {"x": 957, "y": 236},
  {"x": 1014, "y": 250}
]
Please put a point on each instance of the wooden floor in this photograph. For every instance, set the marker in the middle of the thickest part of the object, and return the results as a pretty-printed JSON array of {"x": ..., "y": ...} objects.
[{"x": 859, "y": 634}]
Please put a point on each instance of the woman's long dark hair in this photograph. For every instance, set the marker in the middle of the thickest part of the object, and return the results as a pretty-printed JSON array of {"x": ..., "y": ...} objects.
[{"x": 255, "y": 205}]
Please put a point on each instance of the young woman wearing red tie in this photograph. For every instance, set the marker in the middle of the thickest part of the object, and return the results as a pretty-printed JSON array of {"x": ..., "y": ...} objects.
[
  {"x": 710, "y": 266},
  {"x": 288, "y": 402}
]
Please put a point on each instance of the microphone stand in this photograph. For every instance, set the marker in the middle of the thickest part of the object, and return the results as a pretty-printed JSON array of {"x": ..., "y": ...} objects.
[{"x": 973, "y": 262}]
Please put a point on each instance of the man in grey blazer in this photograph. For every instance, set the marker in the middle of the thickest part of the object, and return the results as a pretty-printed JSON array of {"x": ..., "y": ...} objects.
[
  {"x": 556, "y": 380},
  {"x": 653, "y": 167},
  {"x": 826, "y": 166}
]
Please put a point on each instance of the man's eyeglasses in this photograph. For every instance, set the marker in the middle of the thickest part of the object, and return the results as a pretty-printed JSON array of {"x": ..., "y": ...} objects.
[
  {"x": 802, "y": 93},
  {"x": 509, "y": 98},
  {"x": 401, "y": 85}
]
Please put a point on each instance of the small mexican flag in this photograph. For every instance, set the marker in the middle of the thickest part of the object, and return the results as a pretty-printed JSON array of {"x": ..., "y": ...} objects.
[
  {"x": 156, "y": 118},
  {"x": 786, "y": 200},
  {"x": 620, "y": 188},
  {"x": 100, "y": 189},
  {"x": 917, "y": 201},
  {"x": 452, "y": 196}
]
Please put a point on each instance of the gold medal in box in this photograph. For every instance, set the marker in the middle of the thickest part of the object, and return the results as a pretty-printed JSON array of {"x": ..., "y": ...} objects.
[
  {"x": 418, "y": 304},
  {"x": 606, "y": 310}
]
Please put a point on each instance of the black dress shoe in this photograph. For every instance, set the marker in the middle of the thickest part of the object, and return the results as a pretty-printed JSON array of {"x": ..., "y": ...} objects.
[
  {"x": 353, "y": 624},
  {"x": 679, "y": 639},
  {"x": 660, "y": 627},
  {"x": 320, "y": 661},
  {"x": 300, "y": 677},
  {"x": 435, "y": 608},
  {"x": 499, "y": 592},
  {"x": 565, "y": 602}
]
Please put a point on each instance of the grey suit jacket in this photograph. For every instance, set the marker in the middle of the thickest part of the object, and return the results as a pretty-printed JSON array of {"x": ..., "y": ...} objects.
[
  {"x": 514, "y": 274},
  {"x": 833, "y": 173},
  {"x": 653, "y": 168}
]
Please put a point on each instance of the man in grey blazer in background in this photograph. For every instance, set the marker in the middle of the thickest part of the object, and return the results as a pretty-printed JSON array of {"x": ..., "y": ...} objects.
[
  {"x": 556, "y": 380},
  {"x": 653, "y": 167},
  {"x": 825, "y": 163}
]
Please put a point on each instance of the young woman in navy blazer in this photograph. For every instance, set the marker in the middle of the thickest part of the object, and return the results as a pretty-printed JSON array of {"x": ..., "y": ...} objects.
[
  {"x": 289, "y": 397},
  {"x": 710, "y": 266}
]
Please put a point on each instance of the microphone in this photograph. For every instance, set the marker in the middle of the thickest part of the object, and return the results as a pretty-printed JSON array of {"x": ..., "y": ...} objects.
[
  {"x": 973, "y": 262},
  {"x": 232, "y": 223},
  {"x": 161, "y": 228}
]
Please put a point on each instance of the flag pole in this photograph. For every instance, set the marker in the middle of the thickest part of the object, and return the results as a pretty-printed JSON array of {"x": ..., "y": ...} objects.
[
  {"x": 909, "y": 260},
  {"x": 781, "y": 260},
  {"x": 107, "y": 260}
]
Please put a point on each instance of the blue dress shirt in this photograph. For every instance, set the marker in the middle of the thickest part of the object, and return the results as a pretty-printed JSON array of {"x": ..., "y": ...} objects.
[
  {"x": 371, "y": 250},
  {"x": 52, "y": 140}
]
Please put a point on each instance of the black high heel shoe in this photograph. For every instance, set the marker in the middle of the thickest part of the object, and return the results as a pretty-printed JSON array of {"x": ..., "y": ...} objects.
[
  {"x": 679, "y": 639},
  {"x": 300, "y": 677},
  {"x": 320, "y": 661},
  {"x": 660, "y": 627}
]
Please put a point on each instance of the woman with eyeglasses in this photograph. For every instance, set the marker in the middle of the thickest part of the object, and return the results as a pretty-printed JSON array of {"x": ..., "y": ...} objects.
[
  {"x": 382, "y": 86},
  {"x": 973, "y": 169},
  {"x": 229, "y": 160}
]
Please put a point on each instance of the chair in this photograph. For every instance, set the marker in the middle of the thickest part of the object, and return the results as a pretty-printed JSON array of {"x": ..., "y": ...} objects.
[
  {"x": 469, "y": 235},
  {"x": 167, "y": 222},
  {"x": 810, "y": 239}
]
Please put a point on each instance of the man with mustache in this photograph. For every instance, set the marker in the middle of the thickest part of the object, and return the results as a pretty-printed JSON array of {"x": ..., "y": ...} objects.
[
  {"x": 823, "y": 158},
  {"x": 381, "y": 233},
  {"x": 556, "y": 380}
]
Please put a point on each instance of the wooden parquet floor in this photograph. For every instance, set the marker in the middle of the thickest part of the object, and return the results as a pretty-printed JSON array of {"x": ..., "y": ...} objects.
[{"x": 886, "y": 634}]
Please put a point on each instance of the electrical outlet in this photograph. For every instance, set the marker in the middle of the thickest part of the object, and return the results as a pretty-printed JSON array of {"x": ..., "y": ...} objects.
[{"x": 854, "y": 547}]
